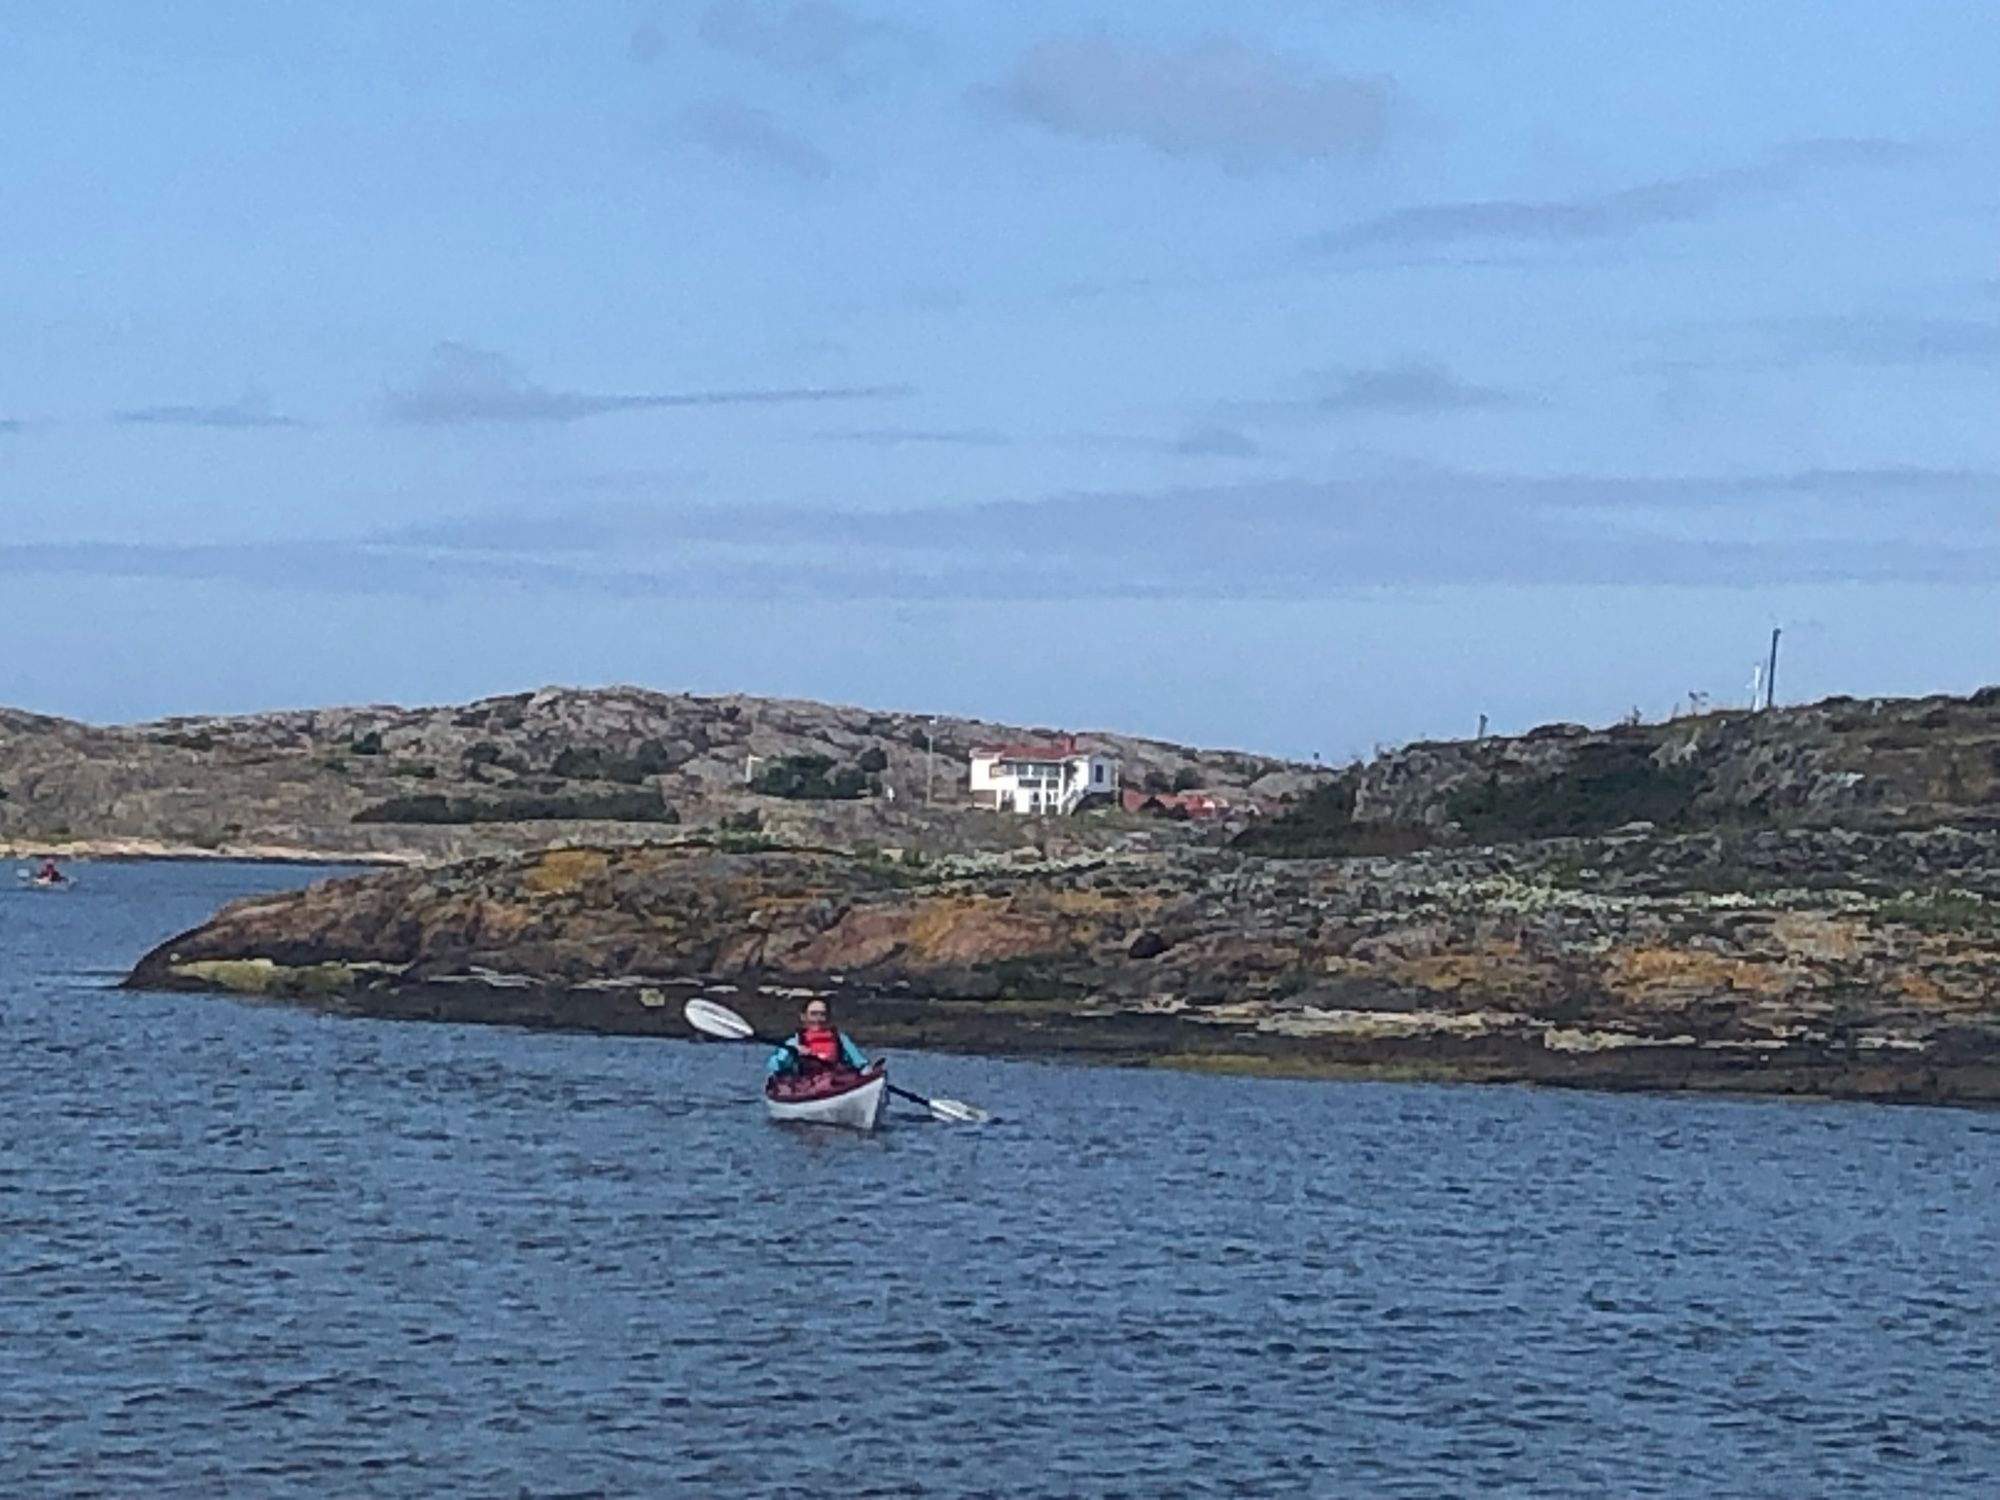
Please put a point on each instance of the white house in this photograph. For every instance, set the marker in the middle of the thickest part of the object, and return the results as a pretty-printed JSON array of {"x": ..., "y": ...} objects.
[{"x": 1040, "y": 778}]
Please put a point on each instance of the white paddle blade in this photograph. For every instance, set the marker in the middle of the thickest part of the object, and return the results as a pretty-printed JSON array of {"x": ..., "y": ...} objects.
[
  {"x": 718, "y": 1020},
  {"x": 957, "y": 1112}
]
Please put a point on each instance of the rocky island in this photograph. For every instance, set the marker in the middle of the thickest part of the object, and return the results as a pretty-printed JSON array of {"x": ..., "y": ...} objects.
[{"x": 1800, "y": 901}]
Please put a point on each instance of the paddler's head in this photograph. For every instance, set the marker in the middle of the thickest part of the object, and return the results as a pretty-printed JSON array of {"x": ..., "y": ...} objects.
[{"x": 816, "y": 1016}]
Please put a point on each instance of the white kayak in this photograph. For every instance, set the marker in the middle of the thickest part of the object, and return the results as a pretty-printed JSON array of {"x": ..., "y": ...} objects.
[{"x": 829, "y": 1098}]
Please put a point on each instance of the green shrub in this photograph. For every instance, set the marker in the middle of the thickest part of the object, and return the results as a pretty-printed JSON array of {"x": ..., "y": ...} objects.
[
  {"x": 810, "y": 778},
  {"x": 1607, "y": 786},
  {"x": 431, "y": 807},
  {"x": 573, "y": 764},
  {"x": 367, "y": 744},
  {"x": 873, "y": 760},
  {"x": 1940, "y": 910},
  {"x": 199, "y": 739},
  {"x": 1320, "y": 825}
]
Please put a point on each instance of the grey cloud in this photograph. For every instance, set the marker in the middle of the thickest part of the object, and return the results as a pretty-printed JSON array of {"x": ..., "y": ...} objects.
[
  {"x": 1219, "y": 98},
  {"x": 805, "y": 35},
  {"x": 1600, "y": 216},
  {"x": 248, "y": 414},
  {"x": 1414, "y": 388},
  {"x": 737, "y": 130},
  {"x": 1287, "y": 539},
  {"x": 898, "y": 437},
  {"x": 467, "y": 385},
  {"x": 1872, "y": 340},
  {"x": 371, "y": 569},
  {"x": 1212, "y": 440},
  {"x": 1865, "y": 339},
  {"x": 598, "y": 528}
]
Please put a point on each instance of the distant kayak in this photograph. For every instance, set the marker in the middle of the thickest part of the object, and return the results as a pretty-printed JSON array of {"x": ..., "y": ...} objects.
[
  {"x": 828, "y": 1097},
  {"x": 40, "y": 882}
]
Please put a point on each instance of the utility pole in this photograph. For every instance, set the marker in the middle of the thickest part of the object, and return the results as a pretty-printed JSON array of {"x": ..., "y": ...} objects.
[
  {"x": 1482, "y": 726},
  {"x": 930, "y": 760},
  {"x": 1771, "y": 672}
]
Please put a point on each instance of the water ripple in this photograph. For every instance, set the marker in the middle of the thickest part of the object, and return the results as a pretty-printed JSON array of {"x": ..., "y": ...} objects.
[{"x": 249, "y": 1250}]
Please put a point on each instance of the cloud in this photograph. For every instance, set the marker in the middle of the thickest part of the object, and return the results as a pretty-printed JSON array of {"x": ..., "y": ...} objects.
[
  {"x": 593, "y": 528},
  {"x": 1869, "y": 340},
  {"x": 1268, "y": 539},
  {"x": 1213, "y": 440},
  {"x": 804, "y": 36},
  {"x": 1876, "y": 340},
  {"x": 1612, "y": 215},
  {"x": 251, "y": 413},
  {"x": 468, "y": 385},
  {"x": 1414, "y": 388},
  {"x": 1293, "y": 539},
  {"x": 737, "y": 130},
  {"x": 1219, "y": 99},
  {"x": 898, "y": 437}
]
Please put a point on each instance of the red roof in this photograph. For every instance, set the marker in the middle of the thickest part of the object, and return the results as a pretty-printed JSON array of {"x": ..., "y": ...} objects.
[
  {"x": 1031, "y": 752},
  {"x": 1196, "y": 804}
]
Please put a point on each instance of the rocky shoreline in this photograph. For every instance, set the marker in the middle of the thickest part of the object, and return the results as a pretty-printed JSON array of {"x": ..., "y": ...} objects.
[
  {"x": 1825, "y": 963},
  {"x": 159, "y": 849}
]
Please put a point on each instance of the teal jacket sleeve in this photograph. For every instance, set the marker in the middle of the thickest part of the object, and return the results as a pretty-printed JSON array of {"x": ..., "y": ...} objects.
[
  {"x": 785, "y": 1059},
  {"x": 854, "y": 1057}
]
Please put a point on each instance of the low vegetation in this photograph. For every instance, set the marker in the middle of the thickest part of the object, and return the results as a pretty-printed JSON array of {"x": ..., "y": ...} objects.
[
  {"x": 1321, "y": 825},
  {"x": 573, "y": 764},
  {"x": 812, "y": 778},
  {"x": 1606, "y": 787},
  {"x": 633, "y": 806}
]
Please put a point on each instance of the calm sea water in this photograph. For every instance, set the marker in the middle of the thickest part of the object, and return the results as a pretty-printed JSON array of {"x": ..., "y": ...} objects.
[{"x": 251, "y": 1251}]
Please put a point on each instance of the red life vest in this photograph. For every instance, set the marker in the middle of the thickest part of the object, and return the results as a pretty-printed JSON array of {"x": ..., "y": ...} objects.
[{"x": 822, "y": 1042}]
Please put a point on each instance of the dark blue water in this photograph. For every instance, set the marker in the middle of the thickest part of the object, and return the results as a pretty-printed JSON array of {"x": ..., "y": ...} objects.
[{"x": 251, "y": 1251}]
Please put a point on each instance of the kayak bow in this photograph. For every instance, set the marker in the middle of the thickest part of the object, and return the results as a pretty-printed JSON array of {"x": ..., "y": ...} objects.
[{"x": 828, "y": 1097}]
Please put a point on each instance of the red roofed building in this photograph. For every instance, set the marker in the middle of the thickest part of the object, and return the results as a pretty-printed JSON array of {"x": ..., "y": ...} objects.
[
  {"x": 1186, "y": 804},
  {"x": 1041, "y": 778}
]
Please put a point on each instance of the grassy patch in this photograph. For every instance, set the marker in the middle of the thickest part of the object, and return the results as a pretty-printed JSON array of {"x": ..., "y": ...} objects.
[
  {"x": 260, "y": 976},
  {"x": 1941, "y": 910}
]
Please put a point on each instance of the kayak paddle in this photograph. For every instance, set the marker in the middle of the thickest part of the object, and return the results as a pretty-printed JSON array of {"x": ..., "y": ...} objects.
[{"x": 720, "y": 1021}]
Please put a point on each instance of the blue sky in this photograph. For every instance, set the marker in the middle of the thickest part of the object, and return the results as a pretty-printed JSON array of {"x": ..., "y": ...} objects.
[{"x": 1299, "y": 377}]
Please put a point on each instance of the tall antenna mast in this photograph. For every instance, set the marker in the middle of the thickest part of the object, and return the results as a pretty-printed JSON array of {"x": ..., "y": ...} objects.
[{"x": 1771, "y": 672}]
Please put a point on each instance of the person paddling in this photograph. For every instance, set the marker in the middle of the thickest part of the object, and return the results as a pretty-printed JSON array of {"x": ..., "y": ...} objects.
[
  {"x": 815, "y": 1046},
  {"x": 49, "y": 874}
]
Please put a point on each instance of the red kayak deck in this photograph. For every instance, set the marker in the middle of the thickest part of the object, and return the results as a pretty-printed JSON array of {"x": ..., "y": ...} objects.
[{"x": 819, "y": 1085}]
